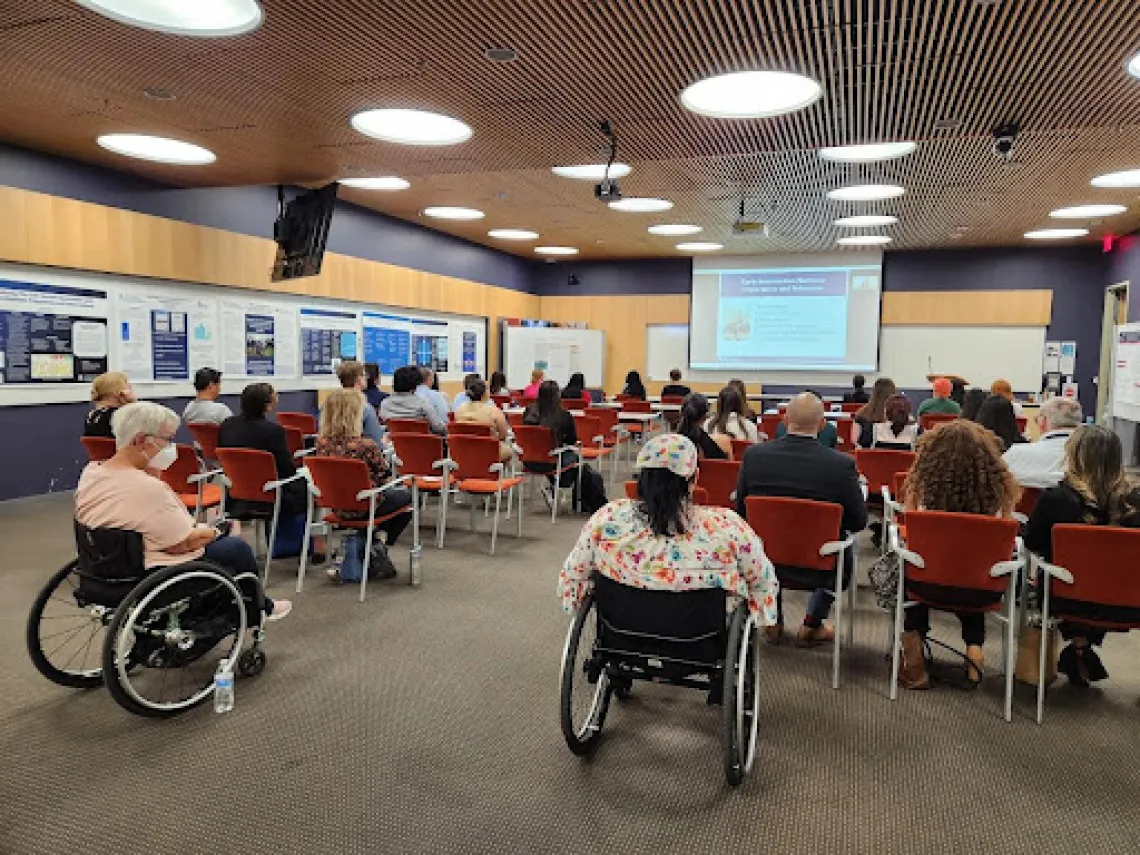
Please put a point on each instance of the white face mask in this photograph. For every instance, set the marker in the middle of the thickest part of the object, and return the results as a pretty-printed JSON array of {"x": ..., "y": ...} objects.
[{"x": 165, "y": 458}]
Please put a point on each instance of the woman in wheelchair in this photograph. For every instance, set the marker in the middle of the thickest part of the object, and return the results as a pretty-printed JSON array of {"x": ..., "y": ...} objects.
[{"x": 120, "y": 493}]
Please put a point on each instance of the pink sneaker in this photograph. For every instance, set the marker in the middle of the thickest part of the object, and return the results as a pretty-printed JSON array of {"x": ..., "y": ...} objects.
[{"x": 281, "y": 609}]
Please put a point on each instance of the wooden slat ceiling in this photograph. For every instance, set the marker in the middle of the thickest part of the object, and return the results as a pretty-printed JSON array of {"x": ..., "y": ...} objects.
[{"x": 275, "y": 105}]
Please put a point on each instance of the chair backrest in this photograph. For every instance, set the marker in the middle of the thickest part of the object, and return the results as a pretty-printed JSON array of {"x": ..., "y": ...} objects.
[
  {"x": 185, "y": 465},
  {"x": 679, "y": 616},
  {"x": 1102, "y": 560},
  {"x": 111, "y": 562},
  {"x": 501, "y": 400},
  {"x": 700, "y": 494},
  {"x": 929, "y": 421},
  {"x": 879, "y": 465},
  {"x": 1028, "y": 501},
  {"x": 468, "y": 429},
  {"x": 206, "y": 435},
  {"x": 769, "y": 424},
  {"x": 474, "y": 456},
  {"x": 719, "y": 478},
  {"x": 417, "y": 452},
  {"x": 588, "y": 427},
  {"x": 304, "y": 422},
  {"x": 536, "y": 442},
  {"x": 739, "y": 446},
  {"x": 294, "y": 439},
  {"x": 339, "y": 479},
  {"x": 850, "y": 408},
  {"x": 793, "y": 530},
  {"x": 958, "y": 550},
  {"x": 607, "y": 416},
  {"x": 515, "y": 419},
  {"x": 898, "y": 480},
  {"x": 633, "y": 406},
  {"x": 1022, "y": 423},
  {"x": 621, "y": 397},
  {"x": 248, "y": 470},
  {"x": 407, "y": 426},
  {"x": 672, "y": 399},
  {"x": 98, "y": 448}
]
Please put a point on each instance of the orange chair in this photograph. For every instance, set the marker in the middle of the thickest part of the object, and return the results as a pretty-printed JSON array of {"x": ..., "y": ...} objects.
[
  {"x": 396, "y": 426},
  {"x": 205, "y": 438},
  {"x": 613, "y": 432},
  {"x": 479, "y": 472},
  {"x": 537, "y": 444},
  {"x": 700, "y": 494},
  {"x": 295, "y": 442},
  {"x": 592, "y": 442},
  {"x": 1025, "y": 505},
  {"x": 672, "y": 399},
  {"x": 719, "y": 477},
  {"x": 739, "y": 446},
  {"x": 1097, "y": 564},
  {"x": 800, "y": 539},
  {"x": 187, "y": 478},
  {"x": 343, "y": 484},
  {"x": 962, "y": 554},
  {"x": 1022, "y": 424},
  {"x": 929, "y": 421},
  {"x": 306, "y": 423},
  {"x": 769, "y": 424},
  {"x": 99, "y": 448},
  {"x": 879, "y": 466},
  {"x": 515, "y": 419},
  {"x": 636, "y": 427},
  {"x": 501, "y": 401},
  {"x": 250, "y": 475},
  {"x": 468, "y": 429},
  {"x": 893, "y": 506},
  {"x": 421, "y": 457},
  {"x": 850, "y": 408}
]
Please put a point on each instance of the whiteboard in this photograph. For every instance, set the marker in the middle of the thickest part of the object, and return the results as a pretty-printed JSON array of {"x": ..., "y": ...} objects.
[
  {"x": 1126, "y": 372},
  {"x": 559, "y": 351}
]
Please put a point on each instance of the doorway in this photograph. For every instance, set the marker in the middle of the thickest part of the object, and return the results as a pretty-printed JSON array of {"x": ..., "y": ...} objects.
[{"x": 1115, "y": 313}]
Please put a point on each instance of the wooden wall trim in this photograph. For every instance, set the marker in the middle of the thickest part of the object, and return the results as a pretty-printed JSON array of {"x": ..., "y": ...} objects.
[{"x": 968, "y": 308}]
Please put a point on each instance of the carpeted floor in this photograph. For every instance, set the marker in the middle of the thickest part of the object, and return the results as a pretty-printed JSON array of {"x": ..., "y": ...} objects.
[{"x": 427, "y": 721}]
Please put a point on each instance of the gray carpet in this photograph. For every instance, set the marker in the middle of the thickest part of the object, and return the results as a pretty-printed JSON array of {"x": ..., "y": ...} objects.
[{"x": 427, "y": 721}]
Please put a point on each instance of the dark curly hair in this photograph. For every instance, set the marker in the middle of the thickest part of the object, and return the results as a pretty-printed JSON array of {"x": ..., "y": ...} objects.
[{"x": 959, "y": 468}]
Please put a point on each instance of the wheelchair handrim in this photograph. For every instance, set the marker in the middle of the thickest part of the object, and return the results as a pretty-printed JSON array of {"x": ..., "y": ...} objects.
[
  {"x": 747, "y": 655},
  {"x": 602, "y": 686}
]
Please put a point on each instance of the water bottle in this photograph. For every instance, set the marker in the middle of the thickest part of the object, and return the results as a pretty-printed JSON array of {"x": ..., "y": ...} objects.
[
  {"x": 224, "y": 687},
  {"x": 417, "y": 551}
]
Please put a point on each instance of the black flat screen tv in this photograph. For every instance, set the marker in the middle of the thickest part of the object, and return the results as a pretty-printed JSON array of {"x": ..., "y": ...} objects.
[{"x": 301, "y": 230}]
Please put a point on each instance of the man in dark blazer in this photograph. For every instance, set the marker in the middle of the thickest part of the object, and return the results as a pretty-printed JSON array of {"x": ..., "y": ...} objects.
[{"x": 797, "y": 466}]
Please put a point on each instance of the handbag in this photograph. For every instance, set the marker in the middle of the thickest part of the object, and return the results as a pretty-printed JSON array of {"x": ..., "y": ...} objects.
[
  {"x": 1029, "y": 655},
  {"x": 884, "y": 576}
]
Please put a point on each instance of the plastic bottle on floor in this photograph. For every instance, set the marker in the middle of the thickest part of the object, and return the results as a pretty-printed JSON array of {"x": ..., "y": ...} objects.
[{"x": 224, "y": 687}]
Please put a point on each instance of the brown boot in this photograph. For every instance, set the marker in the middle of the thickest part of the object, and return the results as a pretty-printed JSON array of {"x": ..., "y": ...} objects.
[
  {"x": 976, "y": 664},
  {"x": 774, "y": 633},
  {"x": 913, "y": 672}
]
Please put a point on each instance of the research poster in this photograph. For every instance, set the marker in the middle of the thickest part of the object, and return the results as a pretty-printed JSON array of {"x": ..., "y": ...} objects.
[
  {"x": 165, "y": 337},
  {"x": 52, "y": 333},
  {"x": 1126, "y": 366},
  {"x": 431, "y": 345},
  {"x": 387, "y": 340},
  {"x": 260, "y": 339},
  {"x": 328, "y": 336},
  {"x": 469, "y": 352}
]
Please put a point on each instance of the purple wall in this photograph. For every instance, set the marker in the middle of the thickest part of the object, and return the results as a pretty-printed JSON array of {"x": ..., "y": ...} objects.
[{"x": 635, "y": 276}]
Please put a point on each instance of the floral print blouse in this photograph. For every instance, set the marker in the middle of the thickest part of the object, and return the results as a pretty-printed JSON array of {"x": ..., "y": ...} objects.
[{"x": 717, "y": 550}]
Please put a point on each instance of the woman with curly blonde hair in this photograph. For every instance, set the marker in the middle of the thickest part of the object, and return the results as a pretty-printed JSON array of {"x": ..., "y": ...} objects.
[{"x": 959, "y": 469}]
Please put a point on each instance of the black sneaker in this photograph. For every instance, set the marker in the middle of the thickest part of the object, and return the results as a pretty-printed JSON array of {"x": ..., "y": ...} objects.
[{"x": 380, "y": 566}]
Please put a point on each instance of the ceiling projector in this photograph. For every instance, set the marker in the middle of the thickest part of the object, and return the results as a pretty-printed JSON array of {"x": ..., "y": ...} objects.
[
  {"x": 607, "y": 190},
  {"x": 750, "y": 228}
]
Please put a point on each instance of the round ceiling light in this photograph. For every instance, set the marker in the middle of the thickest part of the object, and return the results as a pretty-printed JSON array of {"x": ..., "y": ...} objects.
[
  {"x": 158, "y": 149},
  {"x": 867, "y": 153},
  {"x": 513, "y": 234},
  {"x": 379, "y": 182},
  {"x": 447, "y": 212},
  {"x": 1134, "y": 65},
  {"x": 202, "y": 18},
  {"x": 866, "y": 220},
  {"x": 866, "y": 193},
  {"x": 700, "y": 246},
  {"x": 556, "y": 250},
  {"x": 864, "y": 240},
  {"x": 593, "y": 171},
  {"x": 411, "y": 127},
  {"x": 675, "y": 229},
  {"x": 1080, "y": 212},
  {"x": 751, "y": 94},
  {"x": 1127, "y": 178},
  {"x": 641, "y": 204},
  {"x": 1056, "y": 234}
]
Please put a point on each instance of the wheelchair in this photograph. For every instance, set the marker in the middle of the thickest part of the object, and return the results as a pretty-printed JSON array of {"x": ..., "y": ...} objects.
[
  {"x": 154, "y": 638},
  {"x": 621, "y": 634}
]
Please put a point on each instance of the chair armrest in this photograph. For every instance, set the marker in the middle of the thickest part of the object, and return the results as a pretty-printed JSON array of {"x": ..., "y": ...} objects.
[
  {"x": 834, "y": 546},
  {"x": 1036, "y": 562},
  {"x": 1021, "y": 518},
  {"x": 905, "y": 554},
  {"x": 496, "y": 468},
  {"x": 203, "y": 476},
  {"x": 304, "y": 452},
  {"x": 446, "y": 464},
  {"x": 1005, "y": 568},
  {"x": 395, "y": 482},
  {"x": 274, "y": 485},
  {"x": 558, "y": 451}
]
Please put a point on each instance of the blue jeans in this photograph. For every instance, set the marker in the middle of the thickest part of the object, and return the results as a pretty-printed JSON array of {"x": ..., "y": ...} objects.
[{"x": 235, "y": 555}]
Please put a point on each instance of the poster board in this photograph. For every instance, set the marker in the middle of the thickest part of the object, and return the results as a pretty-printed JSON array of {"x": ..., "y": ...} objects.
[
  {"x": 1126, "y": 372},
  {"x": 559, "y": 351}
]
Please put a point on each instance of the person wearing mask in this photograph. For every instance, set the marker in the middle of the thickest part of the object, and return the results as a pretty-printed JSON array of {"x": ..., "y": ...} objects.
[
  {"x": 996, "y": 415},
  {"x": 479, "y": 411},
  {"x": 940, "y": 402},
  {"x": 464, "y": 396},
  {"x": 972, "y": 402},
  {"x": 958, "y": 469},
  {"x": 340, "y": 436},
  {"x": 548, "y": 412},
  {"x": 1004, "y": 389},
  {"x": 897, "y": 432},
  {"x": 205, "y": 406},
  {"x": 634, "y": 388},
  {"x": 675, "y": 388},
  {"x": 694, "y": 414},
  {"x": 108, "y": 392},
  {"x": 1094, "y": 491},
  {"x": 797, "y": 466},
  {"x": 530, "y": 392},
  {"x": 575, "y": 388},
  {"x": 828, "y": 435},
  {"x": 655, "y": 540},
  {"x": 499, "y": 384},
  {"x": 372, "y": 391},
  {"x": 351, "y": 375},
  {"x": 404, "y": 403},
  {"x": 119, "y": 493},
  {"x": 1041, "y": 464},
  {"x": 429, "y": 391},
  {"x": 730, "y": 421},
  {"x": 857, "y": 395},
  {"x": 872, "y": 412}
]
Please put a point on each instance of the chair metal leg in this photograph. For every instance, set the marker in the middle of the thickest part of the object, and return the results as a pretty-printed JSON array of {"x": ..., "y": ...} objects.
[
  {"x": 556, "y": 493},
  {"x": 838, "y": 621},
  {"x": 471, "y": 507},
  {"x": 368, "y": 545},
  {"x": 495, "y": 520},
  {"x": 519, "y": 515},
  {"x": 581, "y": 466},
  {"x": 303, "y": 564},
  {"x": 415, "y": 516},
  {"x": 851, "y": 598},
  {"x": 1043, "y": 582},
  {"x": 1009, "y": 640},
  {"x": 898, "y": 622},
  {"x": 272, "y": 537},
  {"x": 441, "y": 520}
]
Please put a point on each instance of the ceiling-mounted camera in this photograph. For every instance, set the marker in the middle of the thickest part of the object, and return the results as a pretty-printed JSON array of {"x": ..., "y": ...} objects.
[
  {"x": 608, "y": 190},
  {"x": 1005, "y": 137}
]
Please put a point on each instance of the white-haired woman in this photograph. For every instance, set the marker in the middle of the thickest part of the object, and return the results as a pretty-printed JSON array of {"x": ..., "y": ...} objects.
[{"x": 118, "y": 493}]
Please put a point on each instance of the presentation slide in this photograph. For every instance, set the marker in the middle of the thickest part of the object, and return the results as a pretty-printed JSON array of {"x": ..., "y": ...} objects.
[{"x": 811, "y": 313}]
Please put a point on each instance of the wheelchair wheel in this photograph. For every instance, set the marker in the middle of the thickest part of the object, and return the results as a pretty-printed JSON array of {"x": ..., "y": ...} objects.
[
  {"x": 741, "y": 697},
  {"x": 586, "y": 686},
  {"x": 65, "y": 639},
  {"x": 168, "y": 636}
]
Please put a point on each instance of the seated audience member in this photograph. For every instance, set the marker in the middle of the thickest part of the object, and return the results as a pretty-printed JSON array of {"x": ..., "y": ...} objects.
[
  {"x": 958, "y": 469},
  {"x": 372, "y": 391},
  {"x": 828, "y": 435},
  {"x": 548, "y": 412},
  {"x": 118, "y": 493},
  {"x": 897, "y": 432},
  {"x": 675, "y": 388},
  {"x": 729, "y": 421},
  {"x": 694, "y": 414},
  {"x": 464, "y": 396},
  {"x": 957, "y": 391},
  {"x": 797, "y": 466},
  {"x": 996, "y": 415},
  {"x": 872, "y": 412},
  {"x": 404, "y": 403},
  {"x": 941, "y": 402},
  {"x": 857, "y": 395},
  {"x": 499, "y": 383},
  {"x": 634, "y": 388},
  {"x": 429, "y": 391},
  {"x": 479, "y": 411},
  {"x": 530, "y": 392},
  {"x": 1041, "y": 464},
  {"x": 1094, "y": 492},
  {"x": 972, "y": 402},
  {"x": 108, "y": 392},
  {"x": 1004, "y": 389},
  {"x": 575, "y": 388},
  {"x": 656, "y": 540},
  {"x": 738, "y": 384},
  {"x": 351, "y": 375},
  {"x": 205, "y": 406},
  {"x": 341, "y": 437}
]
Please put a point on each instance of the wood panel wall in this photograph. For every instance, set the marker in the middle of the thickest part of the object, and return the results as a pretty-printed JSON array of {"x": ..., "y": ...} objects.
[{"x": 968, "y": 308}]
